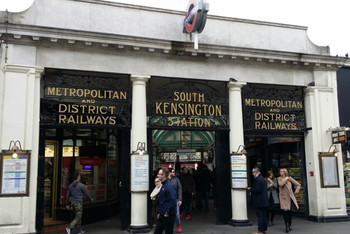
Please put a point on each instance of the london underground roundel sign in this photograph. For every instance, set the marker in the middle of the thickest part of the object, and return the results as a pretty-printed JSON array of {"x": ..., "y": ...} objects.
[{"x": 196, "y": 16}]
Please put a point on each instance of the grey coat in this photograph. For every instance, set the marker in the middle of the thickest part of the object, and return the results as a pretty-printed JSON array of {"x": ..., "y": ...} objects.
[
  {"x": 178, "y": 188},
  {"x": 272, "y": 190}
]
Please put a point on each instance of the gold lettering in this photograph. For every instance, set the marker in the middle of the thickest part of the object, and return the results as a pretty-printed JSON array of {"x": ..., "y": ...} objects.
[
  {"x": 86, "y": 92},
  {"x": 51, "y": 91},
  {"x": 75, "y": 109},
  {"x": 173, "y": 108},
  {"x": 72, "y": 92},
  {"x": 190, "y": 109},
  {"x": 170, "y": 121},
  {"x": 166, "y": 107},
  {"x": 181, "y": 107},
  {"x": 207, "y": 122},
  {"x": 184, "y": 122},
  {"x": 112, "y": 120},
  {"x": 103, "y": 110},
  {"x": 62, "y": 108},
  {"x": 123, "y": 95},
  {"x": 176, "y": 96},
  {"x": 62, "y": 118},
  {"x": 201, "y": 97},
  {"x": 257, "y": 125},
  {"x": 92, "y": 109},
  {"x": 98, "y": 120},
  {"x": 247, "y": 102},
  {"x": 158, "y": 108}
]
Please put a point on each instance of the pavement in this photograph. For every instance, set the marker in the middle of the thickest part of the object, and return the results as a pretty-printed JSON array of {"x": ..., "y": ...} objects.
[{"x": 204, "y": 223}]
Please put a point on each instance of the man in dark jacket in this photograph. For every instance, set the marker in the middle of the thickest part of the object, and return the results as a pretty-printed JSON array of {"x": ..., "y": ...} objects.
[
  {"x": 178, "y": 190},
  {"x": 188, "y": 189},
  {"x": 76, "y": 191},
  {"x": 167, "y": 204},
  {"x": 259, "y": 200}
]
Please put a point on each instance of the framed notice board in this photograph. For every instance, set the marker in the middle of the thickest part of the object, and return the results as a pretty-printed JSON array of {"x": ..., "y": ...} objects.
[
  {"x": 14, "y": 176},
  {"x": 139, "y": 181},
  {"x": 329, "y": 170}
]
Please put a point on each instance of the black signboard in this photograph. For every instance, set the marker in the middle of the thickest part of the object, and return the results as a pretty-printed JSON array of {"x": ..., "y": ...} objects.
[
  {"x": 273, "y": 109},
  {"x": 187, "y": 104},
  {"x": 84, "y": 99},
  {"x": 338, "y": 137}
]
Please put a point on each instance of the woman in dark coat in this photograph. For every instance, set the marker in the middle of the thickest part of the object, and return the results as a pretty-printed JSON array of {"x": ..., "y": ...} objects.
[{"x": 288, "y": 201}]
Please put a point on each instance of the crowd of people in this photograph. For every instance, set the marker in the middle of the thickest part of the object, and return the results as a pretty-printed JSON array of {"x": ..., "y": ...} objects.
[
  {"x": 267, "y": 193},
  {"x": 177, "y": 193},
  {"x": 190, "y": 189}
]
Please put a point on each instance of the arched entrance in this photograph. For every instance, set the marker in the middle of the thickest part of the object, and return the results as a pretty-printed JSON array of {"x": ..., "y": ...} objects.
[{"x": 188, "y": 128}]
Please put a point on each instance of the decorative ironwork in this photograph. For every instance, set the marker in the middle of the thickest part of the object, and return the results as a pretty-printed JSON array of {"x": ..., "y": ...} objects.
[
  {"x": 75, "y": 98},
  {"x": 187, "y": 104},
  {"x": 273, "y": 109}
]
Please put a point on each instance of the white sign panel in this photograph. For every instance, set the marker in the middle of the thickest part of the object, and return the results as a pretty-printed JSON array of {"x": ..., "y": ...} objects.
[
  {"x": 14, "y": 175},
  {"x": 139, "y": 173},
  {"x": 239, "y": 171}
]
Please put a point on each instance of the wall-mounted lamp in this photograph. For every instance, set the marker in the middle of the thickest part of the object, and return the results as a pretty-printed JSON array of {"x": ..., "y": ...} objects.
[
  {"x": 335, "y": 151},
  {"x": 141, "y": 148},
  {"x": 14, "y": 148},
  {"x": 243, "y": 151}
]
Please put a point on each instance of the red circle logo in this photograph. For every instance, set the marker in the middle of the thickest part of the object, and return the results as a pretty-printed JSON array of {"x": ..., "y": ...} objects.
[{"x": 196, "y": 16}]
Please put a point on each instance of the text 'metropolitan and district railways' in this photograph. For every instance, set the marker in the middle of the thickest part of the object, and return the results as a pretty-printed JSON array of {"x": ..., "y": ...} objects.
[
  {"x": 94, "y": 107},
  {"x": 273, "y": 114}
]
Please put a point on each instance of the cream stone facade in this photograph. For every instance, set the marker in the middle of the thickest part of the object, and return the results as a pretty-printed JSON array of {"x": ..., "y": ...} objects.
[{"x": 101, "y": 36}]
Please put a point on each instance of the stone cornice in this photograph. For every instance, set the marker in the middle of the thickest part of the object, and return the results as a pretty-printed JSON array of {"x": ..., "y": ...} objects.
[
  {"x": 182, "y": 13},
  {"x": 34, "y": 35}
]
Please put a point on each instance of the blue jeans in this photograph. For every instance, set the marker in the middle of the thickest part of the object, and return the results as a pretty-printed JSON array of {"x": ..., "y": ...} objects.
[{"x": 177, "y": 219}]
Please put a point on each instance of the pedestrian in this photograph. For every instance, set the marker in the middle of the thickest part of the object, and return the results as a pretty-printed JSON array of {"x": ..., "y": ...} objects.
[
  {"x": 178, "y": 190},
  {"x": 272, "y": 195},
  {"x": 188, "y": 189},
  {"x": 167, "y": 204},
  {"x": 288, "y": 202},
  {"x": 76, "y": 191},
  {"x": 155, "y": 199},
  {"x": 259, "y": 200},
  {"x": 205, "y": 186}
]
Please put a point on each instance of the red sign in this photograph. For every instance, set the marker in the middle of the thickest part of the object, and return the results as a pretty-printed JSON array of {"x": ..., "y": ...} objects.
[
  {"x": 90, "y": 161},
  {"x": 65, "y": 178}
]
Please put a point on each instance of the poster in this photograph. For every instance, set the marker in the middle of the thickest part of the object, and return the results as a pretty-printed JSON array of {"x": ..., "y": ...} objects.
[
  {"x": 139, "y": 173},
  {"x": 14, "y": 175},
  {"x": 239, "y": 171},
  {"x": 65, "y": 175}
]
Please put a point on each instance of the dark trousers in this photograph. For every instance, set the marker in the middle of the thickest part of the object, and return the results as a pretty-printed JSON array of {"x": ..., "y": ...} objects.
[
  {"x": 165, "y": 224},
  {"x": 186, "y": 202},
  {"x": 204, "y": 198},
  {"x": 262, "y": 219}
]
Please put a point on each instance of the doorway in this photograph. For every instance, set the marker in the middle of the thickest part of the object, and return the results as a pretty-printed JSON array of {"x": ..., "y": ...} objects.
[
  {"x": 94, "y": 153},
  {"x": 50, "y": 180},
  {"x": 274, "y": 152},
  {"x": 198, "y": 151}
]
